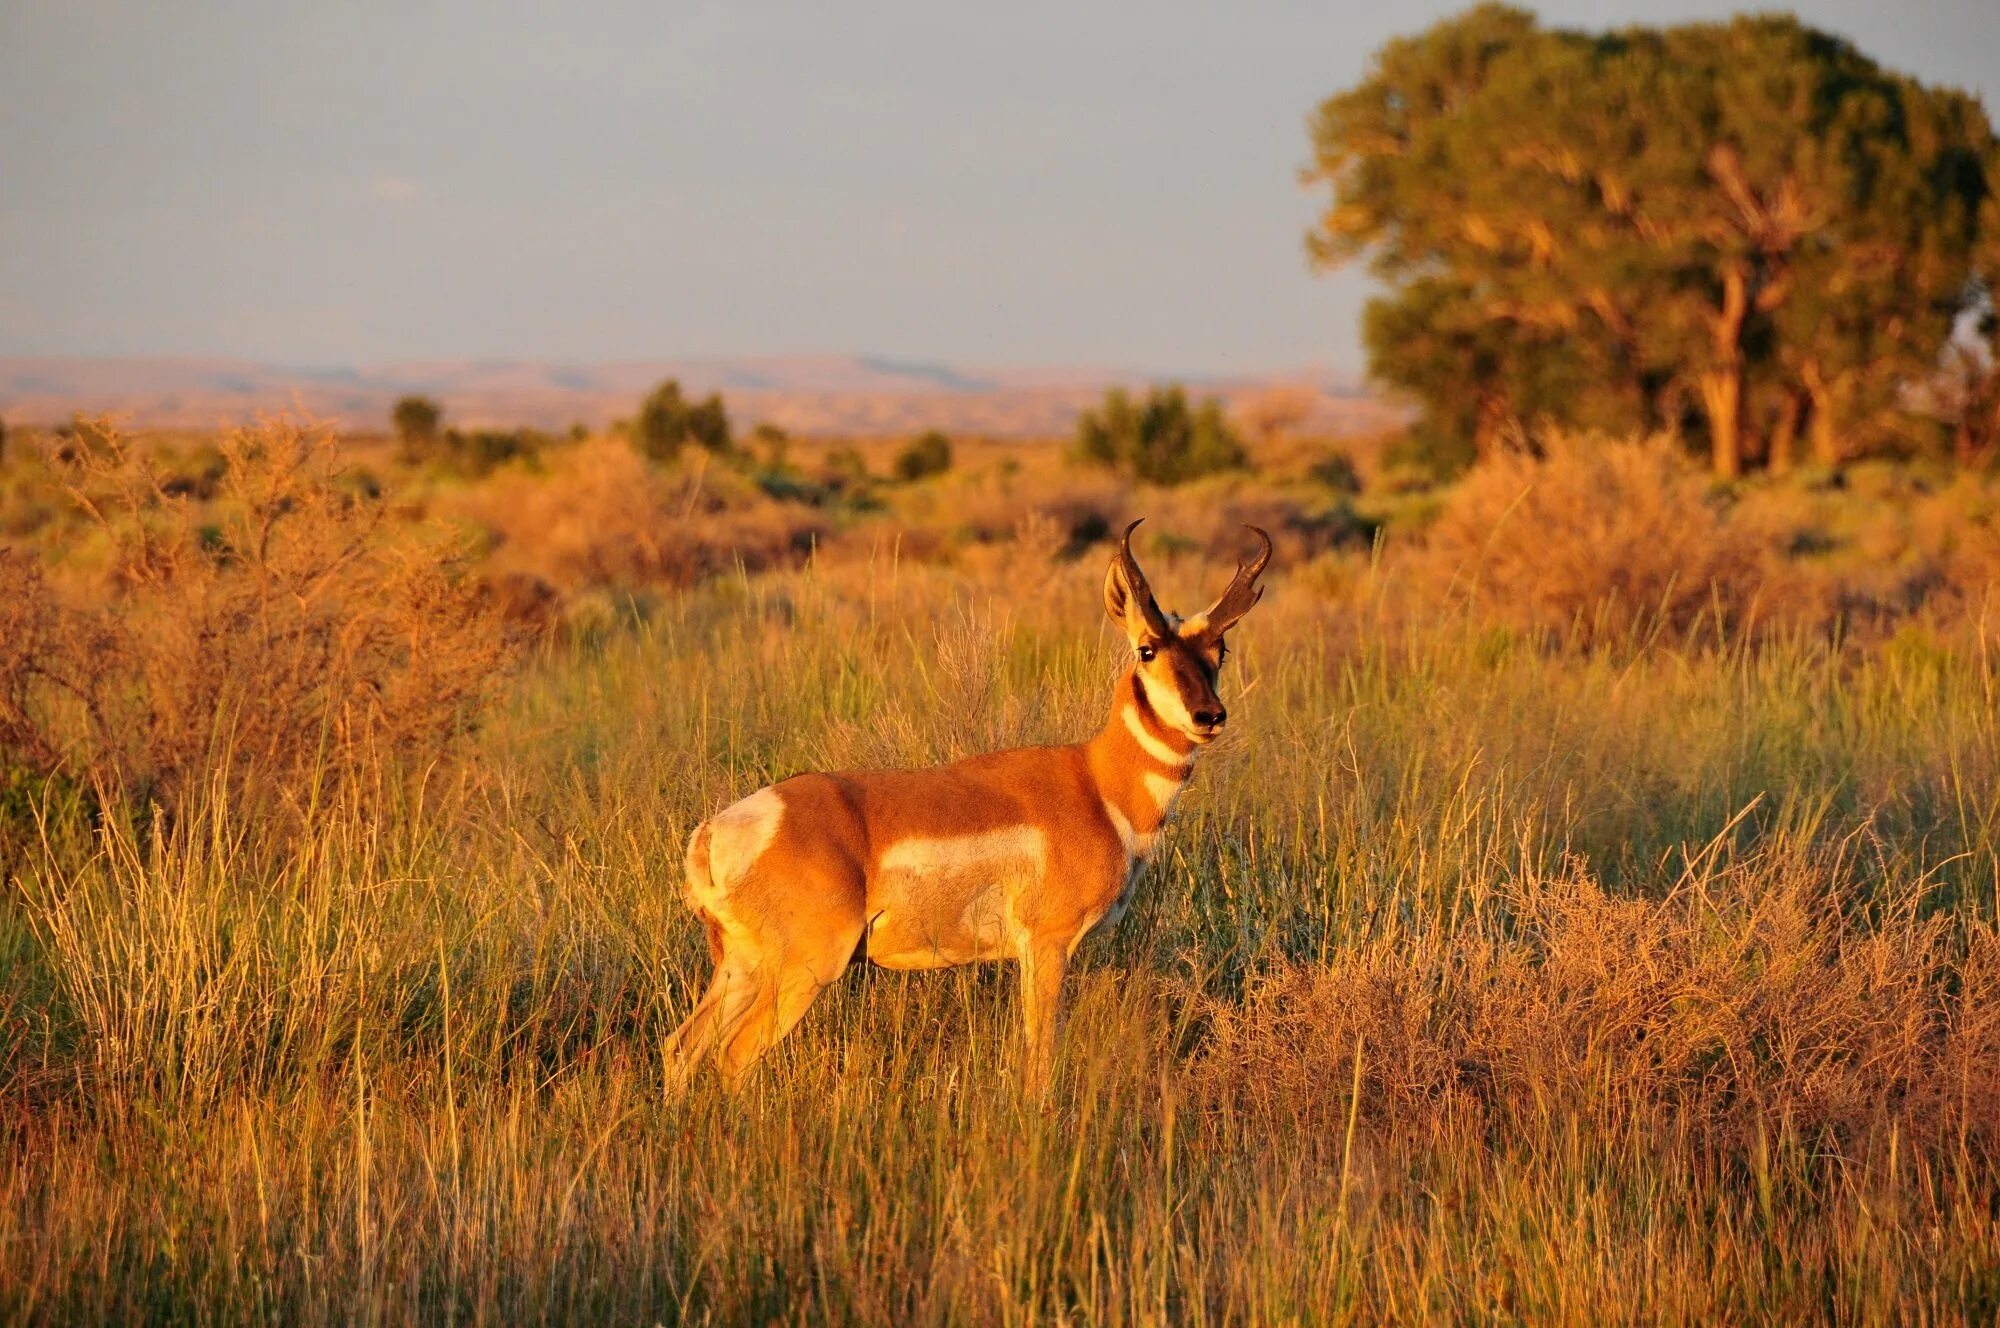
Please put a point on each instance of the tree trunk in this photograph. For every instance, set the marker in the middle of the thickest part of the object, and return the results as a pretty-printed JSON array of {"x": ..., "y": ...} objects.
[
  {"x": 1722, "y": 385},
  {"x": 1722, "y": 397},
  {"x": 1785, "y": 434},
  {"x": 1489, "y": 432},
  {"x": 1825, "y": 441}
]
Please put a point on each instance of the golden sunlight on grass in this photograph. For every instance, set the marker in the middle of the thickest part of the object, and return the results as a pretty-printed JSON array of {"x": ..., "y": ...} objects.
[{"x": 1549, "y": 941}]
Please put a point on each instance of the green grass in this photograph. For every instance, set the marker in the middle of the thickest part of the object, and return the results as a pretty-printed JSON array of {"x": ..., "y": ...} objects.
[{"x": 1474, "y": 983}]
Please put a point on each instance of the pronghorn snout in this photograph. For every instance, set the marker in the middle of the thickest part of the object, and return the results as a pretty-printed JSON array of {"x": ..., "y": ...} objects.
[{"x": 1211, "y": 720}]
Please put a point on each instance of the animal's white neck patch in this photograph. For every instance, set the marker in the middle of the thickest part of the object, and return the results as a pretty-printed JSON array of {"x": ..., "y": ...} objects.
[
  {"x": 1162, "y": 789},
  {"x": 1119, "y": 823},
  {"x": 1151, "y": 743},
  {"x": 1136, "y": 845}
]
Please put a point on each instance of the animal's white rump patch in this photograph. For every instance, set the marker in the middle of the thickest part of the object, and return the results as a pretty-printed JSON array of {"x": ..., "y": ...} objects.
[{"x": 739, "y": 834}]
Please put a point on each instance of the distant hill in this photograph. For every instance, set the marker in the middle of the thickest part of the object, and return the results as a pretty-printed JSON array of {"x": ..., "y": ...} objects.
[{"x": 807, "y": 394}]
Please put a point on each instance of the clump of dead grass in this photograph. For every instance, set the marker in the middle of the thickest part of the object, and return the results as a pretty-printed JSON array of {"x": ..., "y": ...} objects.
[
  {"x": 1590, "y": 540},
  {"x": 276, "y": 639},
  {"x": 1632, "y": 1016}
]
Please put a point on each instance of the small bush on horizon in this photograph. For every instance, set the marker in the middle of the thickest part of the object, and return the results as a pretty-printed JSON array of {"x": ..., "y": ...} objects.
[
  {"x": 775, "y": 446},
  {"x": 416, "y": 419},
  {"x": 929, "y": 453},
  {"x": 1163, "y": 440},
  {"x": 668, "y": 421},
  {"x": 476, "y": 453},
  {"x": 846, "y": 464}
]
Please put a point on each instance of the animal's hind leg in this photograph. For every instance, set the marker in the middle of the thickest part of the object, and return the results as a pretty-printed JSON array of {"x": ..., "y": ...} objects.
[
  {"x": 730, "y": 993},
  {"x": 783, "y": 1002}
]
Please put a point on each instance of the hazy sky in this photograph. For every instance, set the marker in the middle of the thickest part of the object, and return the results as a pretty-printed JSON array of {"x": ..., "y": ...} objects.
[{"x": 1014, "y": 183}]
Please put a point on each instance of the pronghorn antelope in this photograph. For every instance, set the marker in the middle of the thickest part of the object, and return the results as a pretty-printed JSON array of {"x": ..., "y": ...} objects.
[{"x": 1013, "y": 855}]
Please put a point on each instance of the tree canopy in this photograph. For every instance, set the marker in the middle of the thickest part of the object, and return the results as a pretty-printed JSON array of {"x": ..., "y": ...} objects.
[
  {"x": 1747, "y": 230},
  {"x": 668, "y": 421}
]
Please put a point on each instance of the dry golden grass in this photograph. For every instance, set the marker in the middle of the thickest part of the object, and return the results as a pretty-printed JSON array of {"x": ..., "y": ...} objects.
[
  {"x": 1590, "y": 538},
  {"x": 1645, "y": 971},
  {"x": 1687, "y": 1015}
]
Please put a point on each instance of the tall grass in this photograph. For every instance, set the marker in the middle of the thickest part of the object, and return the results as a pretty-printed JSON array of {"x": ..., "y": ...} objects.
[{"x": 1477, "y": 981}]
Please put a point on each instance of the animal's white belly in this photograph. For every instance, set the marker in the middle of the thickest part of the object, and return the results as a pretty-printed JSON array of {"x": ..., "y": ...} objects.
[{"x": 938, "y": 901}]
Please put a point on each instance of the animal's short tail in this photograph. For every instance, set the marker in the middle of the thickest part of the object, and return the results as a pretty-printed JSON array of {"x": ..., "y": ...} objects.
[
  {"x": 699, "y": 889},
  {"x": 698, "y": 881}
]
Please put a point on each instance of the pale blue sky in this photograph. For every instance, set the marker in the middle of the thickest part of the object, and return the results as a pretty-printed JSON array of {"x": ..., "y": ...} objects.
[{"x": 313, "y": 184}]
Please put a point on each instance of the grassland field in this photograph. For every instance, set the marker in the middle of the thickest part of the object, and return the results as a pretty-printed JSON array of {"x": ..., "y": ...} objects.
[{"x": 1590, "y": 916}]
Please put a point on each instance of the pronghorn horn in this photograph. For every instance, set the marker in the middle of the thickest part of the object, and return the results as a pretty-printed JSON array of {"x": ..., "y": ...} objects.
[
  {"x": 1135, "y": 583},
  {"x": 1244, "y": 591}
]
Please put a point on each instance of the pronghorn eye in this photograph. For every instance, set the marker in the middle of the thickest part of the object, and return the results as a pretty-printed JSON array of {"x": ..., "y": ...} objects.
[{"x": 1146, "y": 654}]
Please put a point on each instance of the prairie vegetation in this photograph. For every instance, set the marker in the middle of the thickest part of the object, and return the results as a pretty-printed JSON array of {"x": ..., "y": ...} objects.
[
  {"x": 1591, "y": 915},
  {"x": 256, "y": 641}
]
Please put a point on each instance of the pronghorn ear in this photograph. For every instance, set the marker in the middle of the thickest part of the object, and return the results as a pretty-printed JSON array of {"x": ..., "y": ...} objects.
[
  {"x": 1133, "y": 608},
  {"x": 1122, "y": 604}
]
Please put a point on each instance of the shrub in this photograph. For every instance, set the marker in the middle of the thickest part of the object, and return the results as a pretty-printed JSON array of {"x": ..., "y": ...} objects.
[
  {"x": 416, "y": 420},
  {"x": 929, "y": 453},
  {"x": 1162, "y": 441},
  {"x": 1336, "y": 470},
  {"x": 480, "y": 452},
  {"x": 776, "y": 445},
  {"x": 845, "y": 465},
  {"x": 1591, "y": 538},
  {"x": 278, "y": 641},
  {"x": 668, "y": 421},
  {"x": 1783, "y": 1013},
  {"x": 842, "y": 475},
  {"x": 196, "y": 472},
  {"x": 601, "y": 517}
]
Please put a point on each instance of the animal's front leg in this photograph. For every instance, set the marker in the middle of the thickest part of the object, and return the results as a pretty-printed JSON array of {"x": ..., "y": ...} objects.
[{"x": 1042, "y": 964}]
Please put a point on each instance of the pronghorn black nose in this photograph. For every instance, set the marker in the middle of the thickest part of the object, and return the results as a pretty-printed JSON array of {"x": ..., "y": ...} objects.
[{"x": 1211, "y": 719}]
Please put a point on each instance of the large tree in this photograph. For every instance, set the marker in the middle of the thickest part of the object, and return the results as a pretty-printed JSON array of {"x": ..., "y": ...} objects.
[{"x": 1749, "y": 229}]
